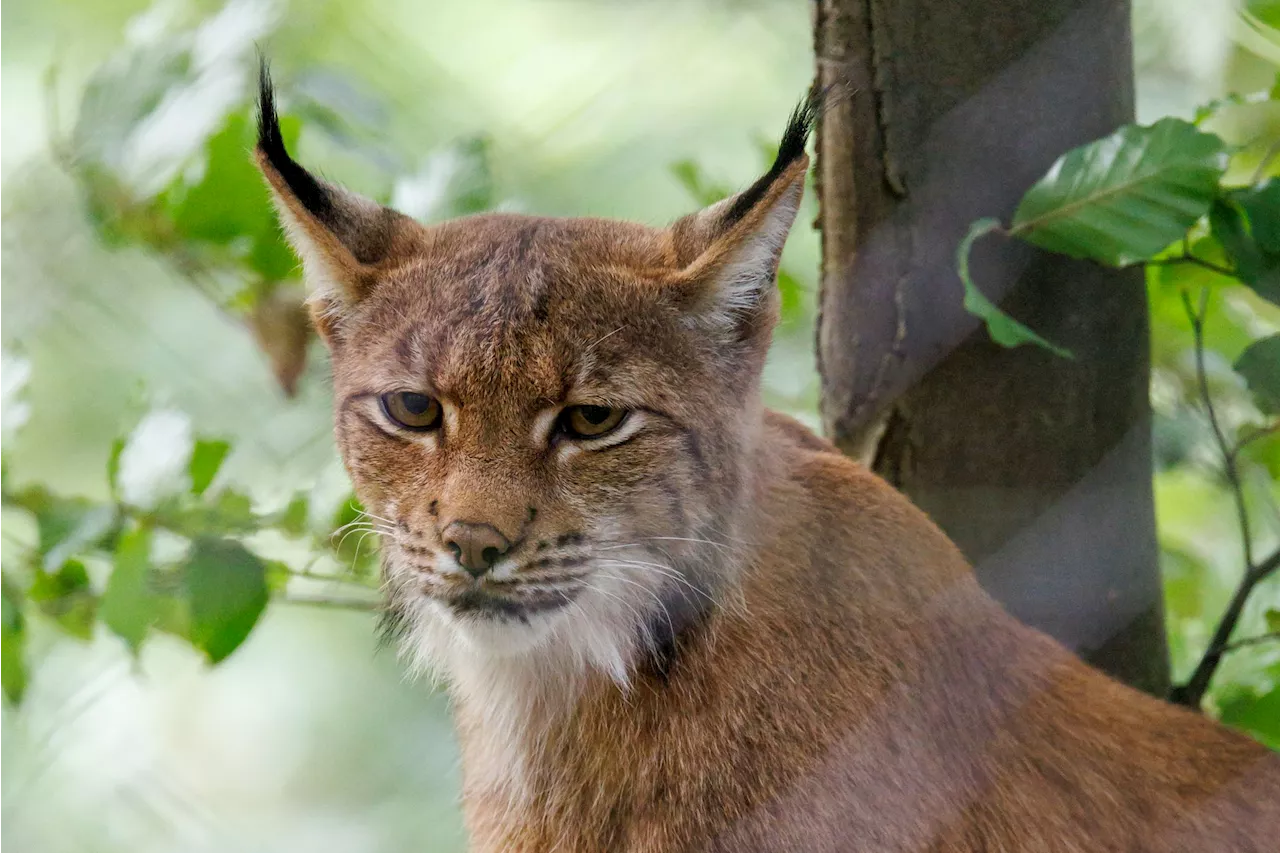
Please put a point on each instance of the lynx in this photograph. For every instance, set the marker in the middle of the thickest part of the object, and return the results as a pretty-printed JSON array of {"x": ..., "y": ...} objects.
[{"x": 670, "y": 619}]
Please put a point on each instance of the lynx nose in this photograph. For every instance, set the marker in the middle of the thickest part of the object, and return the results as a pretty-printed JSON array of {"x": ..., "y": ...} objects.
[{"x": 475, "y": 546}]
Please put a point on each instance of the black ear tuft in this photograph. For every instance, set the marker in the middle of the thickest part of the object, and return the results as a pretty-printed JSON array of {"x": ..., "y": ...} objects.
[
  {"x": 308, "y": 191},
  {"x": 791, "y": 149}
]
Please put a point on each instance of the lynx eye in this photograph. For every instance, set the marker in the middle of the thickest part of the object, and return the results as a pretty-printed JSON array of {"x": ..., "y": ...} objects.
[
  {"x": 591, "y": 421},
  {"x": 413, "y": 411}
]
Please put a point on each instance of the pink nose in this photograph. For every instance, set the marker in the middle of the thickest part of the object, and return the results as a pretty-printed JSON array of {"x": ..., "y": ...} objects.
[{"x": 476, "y": 547}]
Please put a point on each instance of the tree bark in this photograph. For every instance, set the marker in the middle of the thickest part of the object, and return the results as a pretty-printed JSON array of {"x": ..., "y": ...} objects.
[{"x": 1038, "y": 467}]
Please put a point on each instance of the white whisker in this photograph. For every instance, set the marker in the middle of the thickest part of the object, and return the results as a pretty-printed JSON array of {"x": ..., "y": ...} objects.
[
  {"x": 685, "y": 539},
  {"x": 666, "y": 572},
  {"x": 634, "y": 612},
  {"x": 365, "y": 514},
  {"x": 359, "y": 542},
  {"x": 661, "y": 605},
  {"x": 362, "y": 529},
  {"x": 359, "y": 522}
]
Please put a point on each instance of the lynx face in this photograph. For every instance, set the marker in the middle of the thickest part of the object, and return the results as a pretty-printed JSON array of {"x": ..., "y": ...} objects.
[{"x": 547, "y": 417}]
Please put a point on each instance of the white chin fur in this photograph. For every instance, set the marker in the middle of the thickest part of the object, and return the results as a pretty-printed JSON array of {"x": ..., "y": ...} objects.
[
  {"x": 514, "y": 678},
  {"x": 500, "y": 638},
  {"x": 602, "y": 630}
]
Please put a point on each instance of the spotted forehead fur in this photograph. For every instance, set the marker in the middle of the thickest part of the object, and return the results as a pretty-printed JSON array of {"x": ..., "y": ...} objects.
[{"x": 578, "y": 304}]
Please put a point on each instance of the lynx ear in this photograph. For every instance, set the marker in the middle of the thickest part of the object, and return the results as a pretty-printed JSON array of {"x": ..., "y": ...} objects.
[
  {"x": 730, "y": 250},
  {"x": 343, "y": 239}
]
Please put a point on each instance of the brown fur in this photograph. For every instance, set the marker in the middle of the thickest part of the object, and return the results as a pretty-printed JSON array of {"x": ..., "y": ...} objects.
[
  {"x": 813, "y": 666},
  {"x": 871, "y": 697}
]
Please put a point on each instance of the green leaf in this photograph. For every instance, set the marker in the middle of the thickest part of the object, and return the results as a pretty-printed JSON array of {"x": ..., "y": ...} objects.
[
  {"x": 231, "y": 203},
  {"x": 1123, "y": 199},
  {"x": 1257, "y": 713},
  {"x": 271, "y": 256},
  {"x": 1272, "y": 617},
  {"x": 172, "y": 613},
  {"x": 1256, "y": 256},
  {"x": 129, "y": 605},
  {"x": 66, "y": 597},
  {"x": 1003, "y": 329},
  {"x": 1262, "y": 205},
  {"x": 229, "y": 512},
  {"x": 55, "y": 517},
  {"x": 1255, "y": 250},
  {"x": 1259, "y": 364},
  {"x": 278, "y": 576},
  {"x": 66, "y": 526},
  {"x": 1232, "y": 99},
  {"x": 226, "y": 588},
  {"x": 792, "y": 294},
  {"x": 13, "y": 639},
  {"x": 1266, "y": 11},
  {"x": 293, "y": 520},
  {"x": 206, "y": 459},
  {"x": 1204, "y": 112},
  {"x": 113, "y": 467},
  {"x": 1228, "y": 224}
]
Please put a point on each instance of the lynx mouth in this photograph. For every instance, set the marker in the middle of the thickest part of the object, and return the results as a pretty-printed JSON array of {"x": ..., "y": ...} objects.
[{"x": 483, "y": 603}]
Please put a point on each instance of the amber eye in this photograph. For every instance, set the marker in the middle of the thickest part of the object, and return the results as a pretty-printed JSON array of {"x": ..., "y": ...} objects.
[
  {"x": 413, "y": 411},
  {"x": 590, "y": 421}
]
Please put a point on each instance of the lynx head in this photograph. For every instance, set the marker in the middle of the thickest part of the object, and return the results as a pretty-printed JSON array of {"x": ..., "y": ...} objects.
[{"x": 553, "y": 420}]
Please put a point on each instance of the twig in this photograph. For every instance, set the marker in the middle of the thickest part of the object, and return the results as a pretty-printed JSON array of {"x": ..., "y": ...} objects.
[
  {"x": 1193, "y": 691},
  {"x": 369, "y": 606},
  {"x": 1269, "y": 637},
  {"x": 52, "y": 123},
  {"x": 308, "y": 572},
  {"x": 1188, "y": 258},
  {"x": 1224, "y": 446},
  {"x": 1254, "y": 435},
  {"x": 322, "y": 577}
]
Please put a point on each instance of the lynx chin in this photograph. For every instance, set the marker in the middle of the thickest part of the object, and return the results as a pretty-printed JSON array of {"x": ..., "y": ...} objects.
[{"x": 669, "y": 619}]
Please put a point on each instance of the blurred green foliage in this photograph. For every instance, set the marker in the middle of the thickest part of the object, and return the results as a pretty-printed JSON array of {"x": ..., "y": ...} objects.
[{"x": 208, "y": 589}]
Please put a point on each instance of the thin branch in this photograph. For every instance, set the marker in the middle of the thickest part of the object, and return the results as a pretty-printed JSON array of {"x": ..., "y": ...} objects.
[
  {"x": 1269, "y": 637},
  {"x": 1266, "y": 568},
  {"x": 1224, "y": 446},
  {"x": 1193, "y": 691},
  {"x": 52, "y": 122},
  {"x": 364, "y": 606},
  {"x": 323, "y": 577},
  {"x": 1187, "y": 258},
  {"x": 1253, "y": 435}
]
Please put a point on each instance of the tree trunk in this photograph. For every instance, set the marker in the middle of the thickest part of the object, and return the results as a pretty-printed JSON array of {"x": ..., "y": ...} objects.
[{"x": 1039, "y": 467}]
